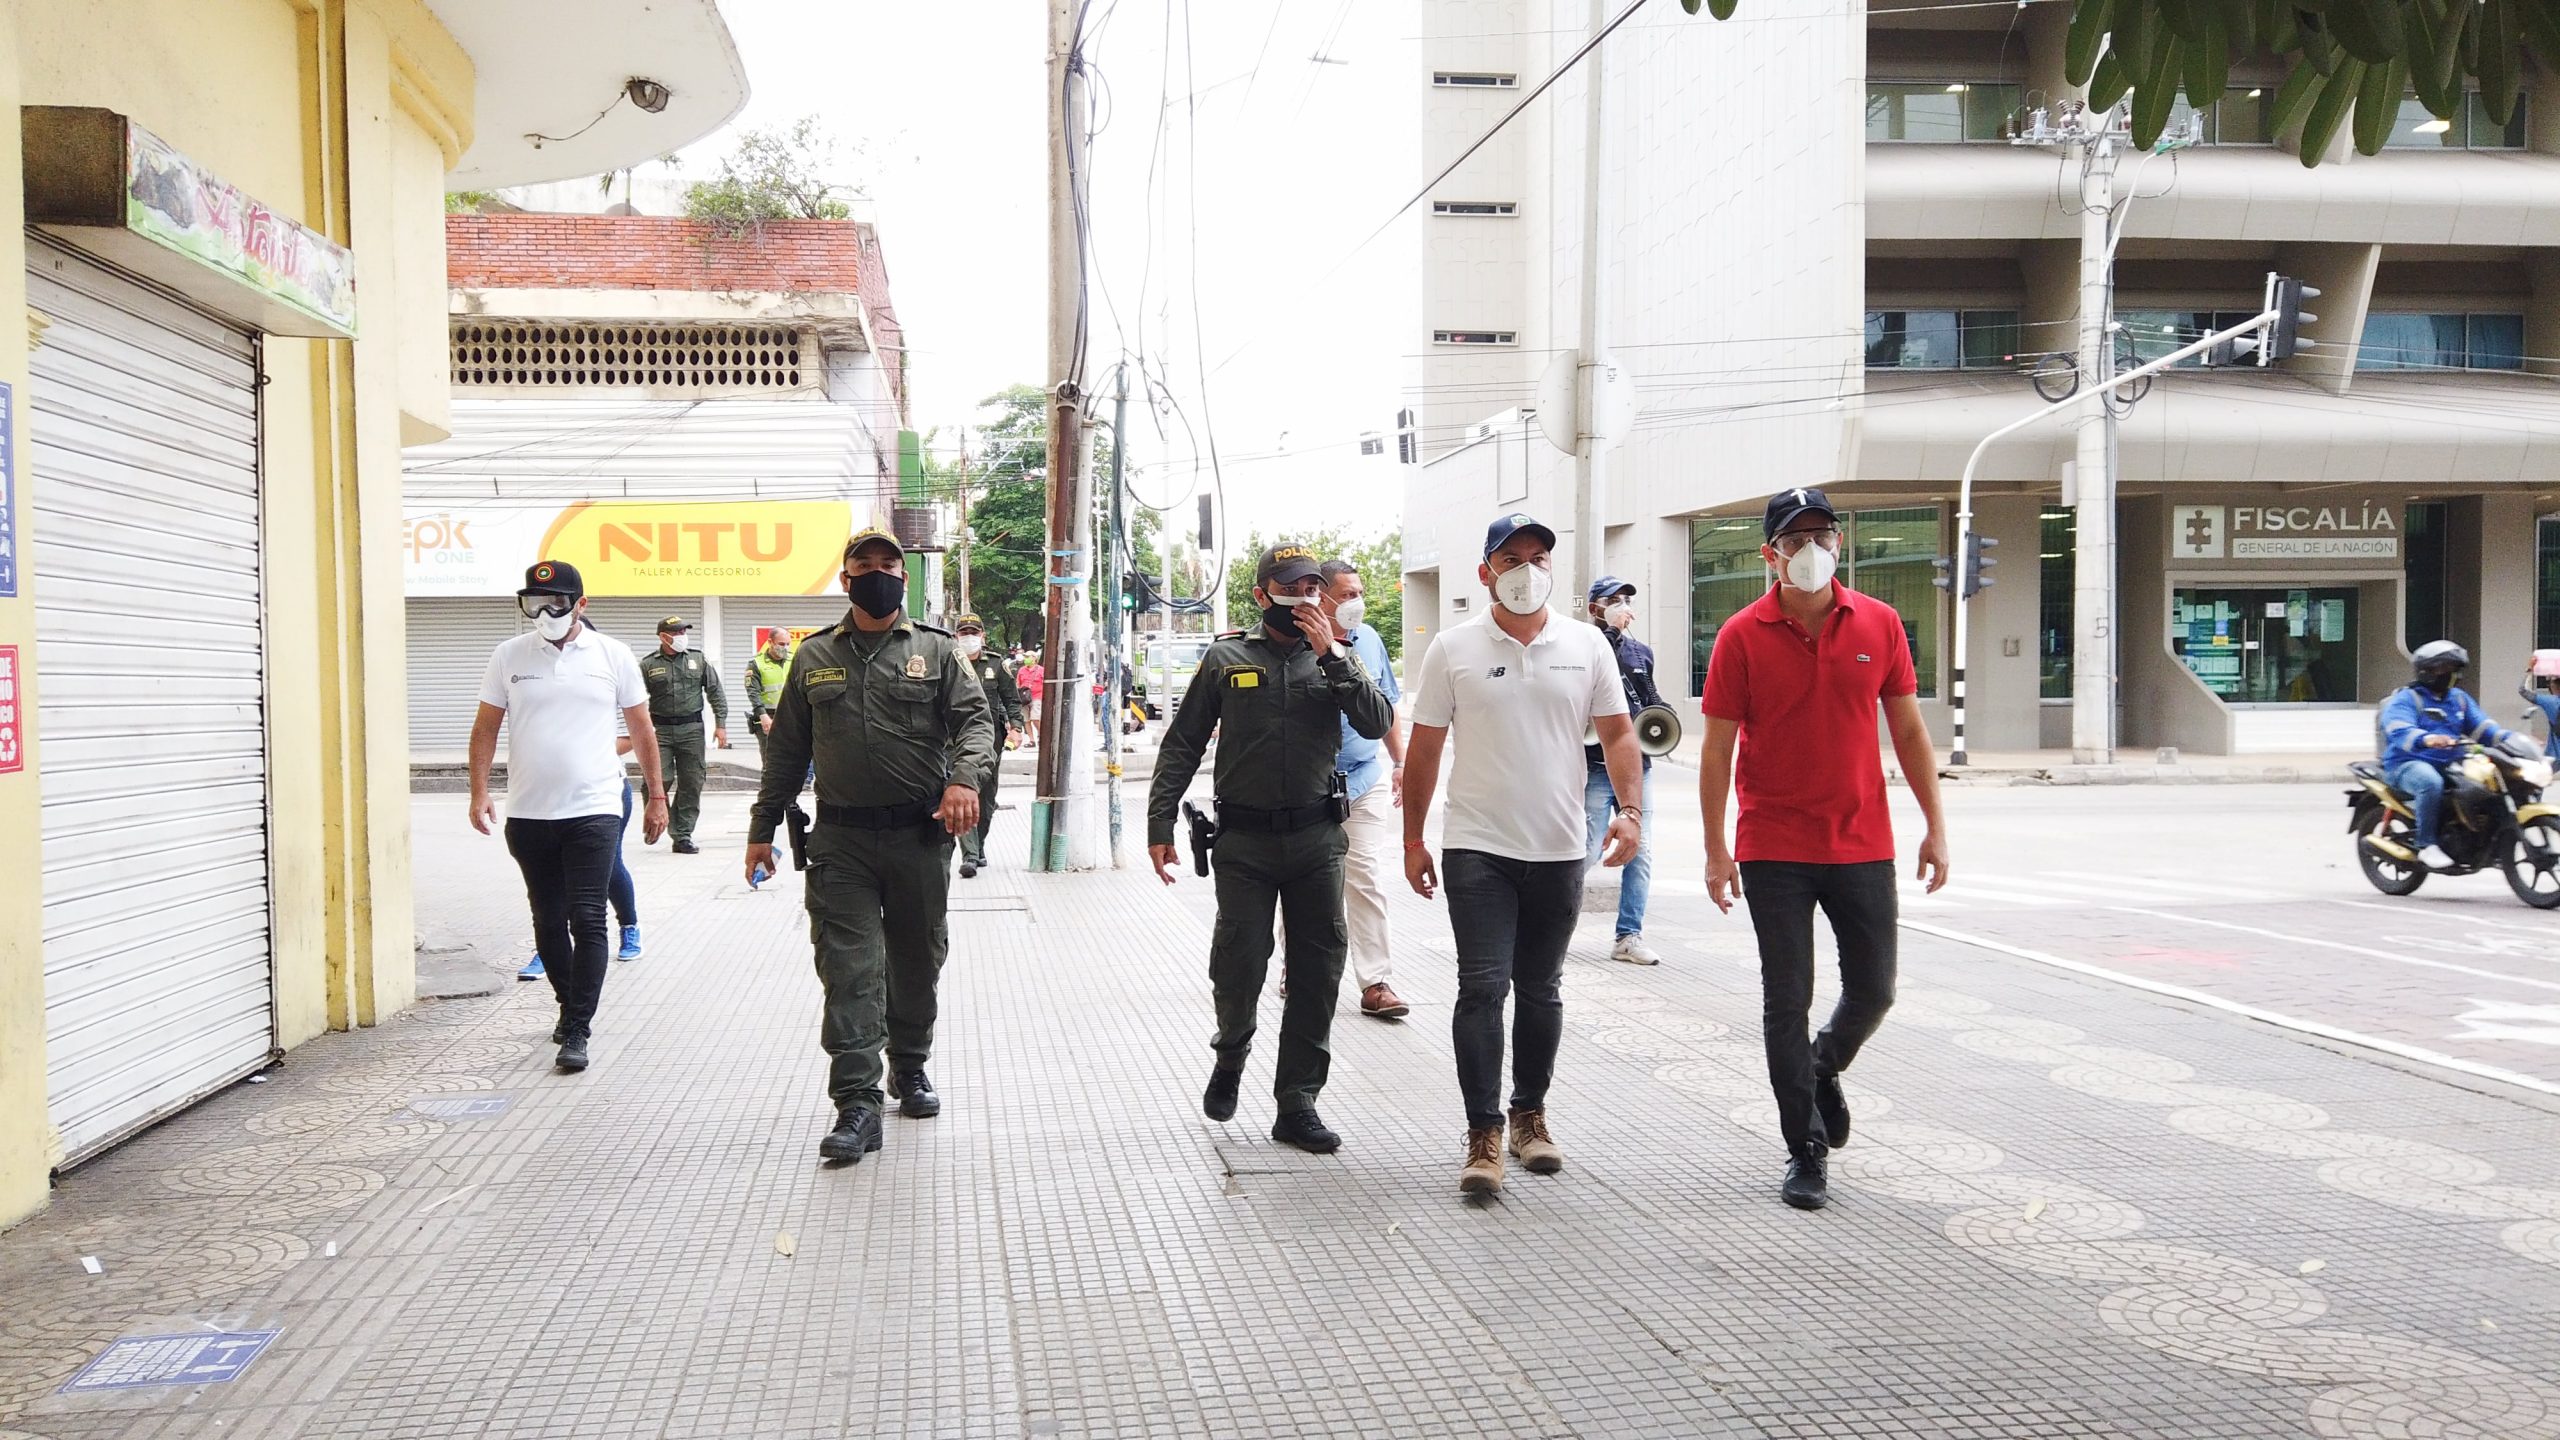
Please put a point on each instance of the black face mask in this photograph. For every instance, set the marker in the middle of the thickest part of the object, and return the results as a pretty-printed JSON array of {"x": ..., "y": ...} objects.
[
  {"x": 1281, "y": 618},
  {"x": 2440, "y": 681},
  {"x": 878, "y": 593}
]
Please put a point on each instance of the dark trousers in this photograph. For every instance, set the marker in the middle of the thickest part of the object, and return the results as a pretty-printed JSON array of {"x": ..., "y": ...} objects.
[
  {"x": 681, "y": 745},
  {"x": 626, "y": 896},
  {"x": 568, "y": 868},
  {"x": 876, "y": 903},
  {"x": 1512, "y": 920},
  {"x": 1300, "y": 874},
  {"x": 1861, "y": 904},
  {"x": 973, "y": 845}
]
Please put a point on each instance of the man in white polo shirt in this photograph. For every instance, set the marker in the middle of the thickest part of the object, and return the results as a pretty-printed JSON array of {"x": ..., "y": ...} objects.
[
  {"x": 1521, "y": 686},
  {"x": 557, "y": 687}
]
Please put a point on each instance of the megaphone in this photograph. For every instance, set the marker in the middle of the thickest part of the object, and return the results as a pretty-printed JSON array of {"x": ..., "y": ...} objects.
[{"x": 1657, "y": 730}]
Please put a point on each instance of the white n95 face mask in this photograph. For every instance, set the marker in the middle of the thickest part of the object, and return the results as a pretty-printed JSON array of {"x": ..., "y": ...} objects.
[
  {"x": 1812, "y": 567},
  {"x": 1523, "y": 589},
  {"x": 1349, "y": 613},
  {"x": 555, "y": 628},
  {"x": 971, "y": 644},
  {"x": 1619, "y": 617}
]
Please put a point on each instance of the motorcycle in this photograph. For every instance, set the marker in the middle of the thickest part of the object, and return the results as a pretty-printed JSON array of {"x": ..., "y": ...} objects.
[{"x": 2497, "y": 819}]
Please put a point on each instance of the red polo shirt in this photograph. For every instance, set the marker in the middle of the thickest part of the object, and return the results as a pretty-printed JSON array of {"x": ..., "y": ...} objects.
[{"x": 1810, "y": 776}]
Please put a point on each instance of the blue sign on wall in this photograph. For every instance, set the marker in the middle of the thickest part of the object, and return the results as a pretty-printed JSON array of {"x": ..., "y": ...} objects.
[
  {"x": 211, "y": 1358},
  {"x": 8, "y": 495}
]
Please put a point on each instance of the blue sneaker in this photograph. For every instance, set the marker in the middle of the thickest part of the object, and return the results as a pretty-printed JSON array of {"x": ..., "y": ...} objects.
[
  {"x": 630, "y": 943},
  {"x": 532, "y": 969}
]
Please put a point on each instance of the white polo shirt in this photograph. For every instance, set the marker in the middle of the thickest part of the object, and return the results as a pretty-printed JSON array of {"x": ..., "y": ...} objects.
[
  {"x": 1516, "y": 716},
  {"x": 562, "y": 702}
]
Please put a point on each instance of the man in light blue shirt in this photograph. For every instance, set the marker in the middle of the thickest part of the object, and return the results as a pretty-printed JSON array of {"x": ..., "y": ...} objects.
[{"x": 1375, "y": 769}]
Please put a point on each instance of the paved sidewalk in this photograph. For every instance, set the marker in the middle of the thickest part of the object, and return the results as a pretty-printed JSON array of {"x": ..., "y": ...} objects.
[{"x": 2068, "y": 1210}]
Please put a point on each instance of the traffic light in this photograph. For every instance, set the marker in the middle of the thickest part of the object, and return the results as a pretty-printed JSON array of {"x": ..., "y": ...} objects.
[
  {"x": 1945, "y": 565},
  {"x": 1975, "y": 563},
  {"x": 2285, "y": 296}
]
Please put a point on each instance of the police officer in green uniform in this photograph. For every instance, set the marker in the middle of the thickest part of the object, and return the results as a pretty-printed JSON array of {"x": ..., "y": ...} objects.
[
  {"x": 678, "y": 680},
  {"x": 1004, "y": 697},
  {"x": 899, "y": 731},
  {"x": 1276, "y": 696}
]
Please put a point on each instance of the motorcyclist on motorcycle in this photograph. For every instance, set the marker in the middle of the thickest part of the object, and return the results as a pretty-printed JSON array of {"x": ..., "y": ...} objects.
[{"x": 2424, "y": 726}]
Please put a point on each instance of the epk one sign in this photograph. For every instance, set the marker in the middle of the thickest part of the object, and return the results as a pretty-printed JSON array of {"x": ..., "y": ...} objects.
[{"x": 2355, "y": 530}]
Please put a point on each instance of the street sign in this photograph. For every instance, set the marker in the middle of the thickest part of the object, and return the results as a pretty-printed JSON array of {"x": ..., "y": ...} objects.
[{"x": 212, "y": 1357}]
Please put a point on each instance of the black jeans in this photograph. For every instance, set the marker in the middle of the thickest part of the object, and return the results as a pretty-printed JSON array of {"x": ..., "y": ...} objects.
[
  {"x": 1512, "y": 920},
  {"x": 1863, "y": 907},
  {"x": 568, "y": 867},
  {"x": 626, "y": 896}
]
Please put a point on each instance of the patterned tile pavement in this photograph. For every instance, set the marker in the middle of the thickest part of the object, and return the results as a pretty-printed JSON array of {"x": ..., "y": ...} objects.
[{"x": 2069, "y": 1210}]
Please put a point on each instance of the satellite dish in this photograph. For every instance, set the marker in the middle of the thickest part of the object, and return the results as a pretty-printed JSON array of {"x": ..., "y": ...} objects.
[{"x": 1560, "y": 413}]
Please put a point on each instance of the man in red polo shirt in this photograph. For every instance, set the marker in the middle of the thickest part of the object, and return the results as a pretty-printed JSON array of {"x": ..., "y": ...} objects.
[{"x": 1797, "y": 678}]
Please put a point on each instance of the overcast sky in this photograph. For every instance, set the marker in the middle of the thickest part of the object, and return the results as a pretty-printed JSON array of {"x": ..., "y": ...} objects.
[{"x": 1297, "y": 161}]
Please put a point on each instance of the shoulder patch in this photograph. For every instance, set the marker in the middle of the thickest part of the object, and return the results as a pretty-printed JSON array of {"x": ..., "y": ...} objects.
[{"x": 822, "y": 675}]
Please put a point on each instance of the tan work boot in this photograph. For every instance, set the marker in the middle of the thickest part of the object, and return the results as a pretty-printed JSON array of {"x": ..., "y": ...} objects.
[
  {"x": 1482, "y": 1174},
  {"x": 1530, "y": 1141}
]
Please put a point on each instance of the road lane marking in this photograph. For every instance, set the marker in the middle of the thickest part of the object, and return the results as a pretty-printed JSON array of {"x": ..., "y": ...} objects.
[
  {"x": 2233, "y": 1007},
  {"x": 2363, "y": 950},
  {"x": 2548, "y": 934}
]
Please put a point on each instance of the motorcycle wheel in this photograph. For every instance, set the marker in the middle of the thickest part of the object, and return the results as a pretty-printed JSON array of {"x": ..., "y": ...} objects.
[
  {"x": 2391, "y": 877},
  {"x": 2532, "y": 862}
]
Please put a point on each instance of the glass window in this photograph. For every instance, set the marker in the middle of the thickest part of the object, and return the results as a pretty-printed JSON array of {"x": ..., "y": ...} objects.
[
  {"x": 2149, "y": 335},
  {"x": 2422, "y": 550},
  {"x": 2415, "y": 129},
  {"x": 2056, "y": 605},
  {"x": 2488, "y": 134},
  {"x": 2268, "y": 645},
  {"x": 2442, "y": 342},
  {"x": 1941, "y": 339},
  {"x": 1938, "y": 111},
  {"x": 1891, "y": 556},
  {"x": 2546, "y": 587},
  {"x": 2245, "y": 117},
  {"x": 1725, "y": 575}
]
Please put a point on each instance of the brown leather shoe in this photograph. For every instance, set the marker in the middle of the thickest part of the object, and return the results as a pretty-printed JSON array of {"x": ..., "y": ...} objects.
[
  {"x": 1530, "y": 1141},
  {"x": 1482, "y": 1174},
  {"x": 1380, "y": 1001}
]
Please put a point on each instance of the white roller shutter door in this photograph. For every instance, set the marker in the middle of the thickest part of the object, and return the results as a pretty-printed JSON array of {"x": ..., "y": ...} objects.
[
  {"x": 150, "y": 672},
  {"x": 451, "y": 638}
]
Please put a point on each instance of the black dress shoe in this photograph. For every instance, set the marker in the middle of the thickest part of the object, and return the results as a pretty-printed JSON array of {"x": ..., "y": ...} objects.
[
  {"x": 573, "y": 1053},
  {"x": 1808, "y": 1184},
  {"x": 1833, "y": 1107},
  {"x": 857, "y": 1134},
  {"x": 685, "y": 847},
  {"x": 1302, "y": 1129},
  {"x": 968, "y": 869},
  {"x": 1218, "y": 1102},
  {"x": 916, "y": 1099}
]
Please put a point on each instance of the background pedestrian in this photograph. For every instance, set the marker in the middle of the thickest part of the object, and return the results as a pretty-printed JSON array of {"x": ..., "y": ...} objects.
[
  {"x": 1607, "y": 608},
  {"x": 679, "y": 684}
]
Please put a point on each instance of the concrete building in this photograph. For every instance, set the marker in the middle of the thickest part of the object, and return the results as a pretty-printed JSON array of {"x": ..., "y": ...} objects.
[
  {"x": 695, "y": 419},
  {"x": 222, "y": 222},
  {"x": 1827, "y": 266}
]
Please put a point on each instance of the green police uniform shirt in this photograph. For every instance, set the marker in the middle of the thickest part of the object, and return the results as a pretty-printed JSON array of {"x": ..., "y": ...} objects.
[
  {"x": 1277, "y": 709},
  {"x": 890, "y": 719},
  {"x": 996, "y": 678},
  {"x": 678, "y": 685}
]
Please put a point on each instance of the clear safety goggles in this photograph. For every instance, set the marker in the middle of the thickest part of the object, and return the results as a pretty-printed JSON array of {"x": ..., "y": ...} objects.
[{"x": 534, "y": 607}]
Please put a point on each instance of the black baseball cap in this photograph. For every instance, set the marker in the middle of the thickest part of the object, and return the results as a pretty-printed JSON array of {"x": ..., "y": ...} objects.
[
  {"x": 1287, "y": 564},
  {"x": 552, "y": 577},
  {"x": 1606, "y": 586},
  {"x": 1501, "y": 531},
  {"x": 674, "y": 625},
  {"x": 1786, "y": 505}
]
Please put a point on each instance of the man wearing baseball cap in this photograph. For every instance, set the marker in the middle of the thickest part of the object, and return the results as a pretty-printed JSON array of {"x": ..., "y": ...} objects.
[
  {"x": 679, "y": 680},
  {"x": 1276, "y": 697},
  {"x": 1795, "y": 681},
  {"x": 1607, "y": 606},
  {"x": 1004, "y": 699},
  {"x": 556, "y": 688},
  {"x": 1519, "y": 685}
]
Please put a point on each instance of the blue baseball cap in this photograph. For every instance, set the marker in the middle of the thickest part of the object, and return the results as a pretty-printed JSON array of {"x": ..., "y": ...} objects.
[
  {"x": 1606, "y": 586},
  {"x": 1501, "y": 531}
]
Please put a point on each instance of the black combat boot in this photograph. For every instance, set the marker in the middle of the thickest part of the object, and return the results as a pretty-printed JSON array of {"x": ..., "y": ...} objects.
[{"x": 857, "y": 1134}]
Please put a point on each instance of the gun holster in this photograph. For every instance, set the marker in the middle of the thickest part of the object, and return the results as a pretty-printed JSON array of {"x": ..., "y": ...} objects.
[
  {"x": 1204, "y": 836},
  {"x": 796, "y": 820},
  {"x": 1337, "y": 797}
]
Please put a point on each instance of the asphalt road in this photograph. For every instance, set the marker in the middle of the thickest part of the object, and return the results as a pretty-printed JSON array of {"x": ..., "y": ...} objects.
[{"x": 2243, "y": 897}]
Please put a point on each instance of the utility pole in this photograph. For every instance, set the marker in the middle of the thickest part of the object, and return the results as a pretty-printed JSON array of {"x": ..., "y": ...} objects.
[
  {"x": 2093, "y": 586},
  {"x": 1068, "y": 602},
  {"x": 1111, "y": 648},
  {"x": 1590, "y": 500},
  {"x": 964, "y": 519}
]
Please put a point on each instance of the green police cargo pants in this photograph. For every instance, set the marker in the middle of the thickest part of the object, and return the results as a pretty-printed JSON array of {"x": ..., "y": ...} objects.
[
  {"x": 973, "y": 845},
  {"x": 876, "y": 903},
  {"x": 680, "y": 750},
  {"x": 1300, "y": 872}
]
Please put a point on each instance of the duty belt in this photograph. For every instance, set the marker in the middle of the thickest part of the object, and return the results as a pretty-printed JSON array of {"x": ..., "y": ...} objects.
[
  {"x": 877, "y": 817},
  {"x": 657, "y": 719},
  {"x": 1277, "y": 822}
]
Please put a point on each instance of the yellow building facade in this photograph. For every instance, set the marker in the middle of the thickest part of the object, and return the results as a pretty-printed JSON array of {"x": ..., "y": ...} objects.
[{"x": 243, "y": 681}]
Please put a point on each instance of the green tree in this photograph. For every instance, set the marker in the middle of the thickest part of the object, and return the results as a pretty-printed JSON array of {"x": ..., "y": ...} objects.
[
  {"x": 775, "y": 172},
  {"x": 1381, "y": 562},
  {"x": 1007, "y": 483},
  {"x": 2342, "y": 57}
]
